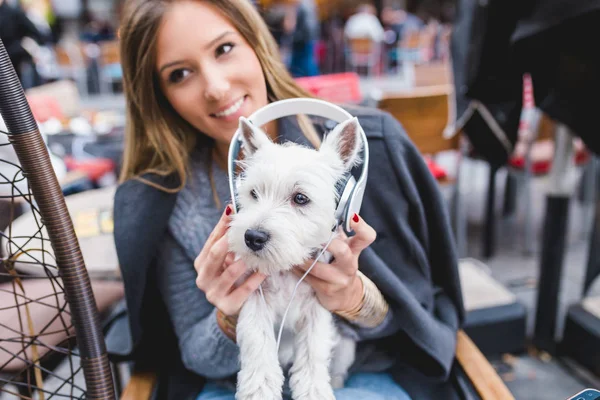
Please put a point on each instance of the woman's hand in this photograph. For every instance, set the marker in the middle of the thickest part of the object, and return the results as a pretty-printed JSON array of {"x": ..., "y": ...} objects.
[
  {"x": 337, "y": 285},
  {"x": 218, "y": 273}
]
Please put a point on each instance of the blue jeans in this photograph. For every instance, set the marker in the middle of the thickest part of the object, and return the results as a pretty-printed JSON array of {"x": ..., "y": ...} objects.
[{"x": 362, "y": 386}]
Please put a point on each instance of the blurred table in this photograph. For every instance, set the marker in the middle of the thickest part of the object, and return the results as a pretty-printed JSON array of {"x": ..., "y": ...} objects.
[
  {"x": 374, "y": 87},
  {"x": 91, "y": 212},
  {"x": 410, "y": 77}
]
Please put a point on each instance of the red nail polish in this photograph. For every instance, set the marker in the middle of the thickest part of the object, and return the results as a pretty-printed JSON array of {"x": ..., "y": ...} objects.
[
  {"x": 228, "y": 210},
  {"x": 355, "y": 217}
]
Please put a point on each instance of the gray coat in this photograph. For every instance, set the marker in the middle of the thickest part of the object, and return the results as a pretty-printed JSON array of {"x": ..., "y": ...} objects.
[{"x": 413, "y": 262}]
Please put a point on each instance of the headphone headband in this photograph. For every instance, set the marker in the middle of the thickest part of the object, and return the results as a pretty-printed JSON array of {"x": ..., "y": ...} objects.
[
  {"x": 316, "y": 107},
  {"x": 288, "y": 107}
]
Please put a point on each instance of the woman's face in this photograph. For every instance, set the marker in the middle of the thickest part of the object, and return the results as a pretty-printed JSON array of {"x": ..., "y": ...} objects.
[{"x": 208, "y": 72}]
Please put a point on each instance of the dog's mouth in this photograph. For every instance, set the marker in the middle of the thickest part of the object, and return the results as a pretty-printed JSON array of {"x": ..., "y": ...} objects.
[{"x": 260, "y": 262}]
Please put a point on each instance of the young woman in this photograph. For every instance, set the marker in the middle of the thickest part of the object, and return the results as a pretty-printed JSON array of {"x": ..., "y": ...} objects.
[{"x": 191, "y": 69}]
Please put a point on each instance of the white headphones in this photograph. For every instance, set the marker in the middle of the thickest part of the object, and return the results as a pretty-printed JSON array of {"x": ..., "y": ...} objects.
[{"x": 351, "y": 191}]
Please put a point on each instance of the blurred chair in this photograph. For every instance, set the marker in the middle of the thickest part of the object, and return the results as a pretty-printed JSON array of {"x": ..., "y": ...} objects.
[
  {"x": 425, "y": 115},
  {"x": 409, "y": 47},
  {"x": 73, "y": 63},
  {"x": 109, "y": 65},
  {"x": 532, "y": 158},
  {"x": 432, "y": 74},
  {"x": 47, "y": 318},
  {"x": 364, "y": 53}
]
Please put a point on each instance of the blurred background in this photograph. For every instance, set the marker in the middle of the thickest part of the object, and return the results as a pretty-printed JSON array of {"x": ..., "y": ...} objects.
[{"x": 499, "y": 99}]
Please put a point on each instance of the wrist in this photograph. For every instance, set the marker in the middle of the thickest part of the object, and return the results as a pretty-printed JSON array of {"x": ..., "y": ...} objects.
[
  {"x": 371, "y": 310},
  {"x": 227, "y": 324},
  {"x": 356, "y": 298}
]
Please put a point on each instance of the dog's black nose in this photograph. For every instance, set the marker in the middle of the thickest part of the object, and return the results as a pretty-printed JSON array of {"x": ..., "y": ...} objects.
[{"x": 256, "y": 240}]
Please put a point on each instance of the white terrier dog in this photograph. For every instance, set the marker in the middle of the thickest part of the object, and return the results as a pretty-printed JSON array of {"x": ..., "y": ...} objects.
[{"x": 287, "y": 196}]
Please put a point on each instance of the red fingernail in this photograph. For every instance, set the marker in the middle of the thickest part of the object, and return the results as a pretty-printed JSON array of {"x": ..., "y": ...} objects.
[
  {"x": 355, "y": 218},
  {"x": 228, "y": 210}
]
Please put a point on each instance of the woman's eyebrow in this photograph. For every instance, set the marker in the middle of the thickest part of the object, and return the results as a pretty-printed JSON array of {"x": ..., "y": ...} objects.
[
  {"x": 215, "y": 40},
  {"x": 167, "y": 65},
  {"x": 209, "y": 45}
]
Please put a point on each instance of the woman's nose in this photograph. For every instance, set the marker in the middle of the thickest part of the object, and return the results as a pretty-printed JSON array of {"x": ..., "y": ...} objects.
[{"x": 217, "y": 86}]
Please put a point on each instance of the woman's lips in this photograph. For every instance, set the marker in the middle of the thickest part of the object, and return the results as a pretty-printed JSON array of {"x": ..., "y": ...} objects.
[{"x": 233, "y": 112}]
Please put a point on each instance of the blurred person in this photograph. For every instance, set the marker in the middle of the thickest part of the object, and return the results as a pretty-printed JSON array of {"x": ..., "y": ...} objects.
[
  {"x": 400, "y": 21},
  {"x": 333, "y": 35},
  {"x": 281, "y": 17},
  {"x": 304, "y": 38},
  {"x": 14, "y": 27},
  {"x": 40, "y": 14},
  {"x": 96, "y": 29},
  {"x": 364, "y": 24}
]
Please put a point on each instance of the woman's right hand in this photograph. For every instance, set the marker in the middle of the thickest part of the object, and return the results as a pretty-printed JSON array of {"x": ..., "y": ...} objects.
[{"x": 217, "y": 271}]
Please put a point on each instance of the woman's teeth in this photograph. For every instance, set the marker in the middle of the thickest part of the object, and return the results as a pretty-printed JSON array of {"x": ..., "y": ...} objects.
[{"x": 234, "y": 108}]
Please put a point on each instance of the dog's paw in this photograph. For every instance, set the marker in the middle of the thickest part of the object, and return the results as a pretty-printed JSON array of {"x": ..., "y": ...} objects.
[
  {"x": 312, "y": 391},
  {"x": 259, "y": 394},
  {"x": 265, "y": 386}
]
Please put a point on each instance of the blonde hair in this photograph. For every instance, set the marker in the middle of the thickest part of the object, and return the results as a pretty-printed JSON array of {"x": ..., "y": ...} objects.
[{"x": 157, "y": 139}]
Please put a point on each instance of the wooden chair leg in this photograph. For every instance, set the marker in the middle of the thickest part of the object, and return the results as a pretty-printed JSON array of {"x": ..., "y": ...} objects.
[
  {"x": 140, "y": 386},
  {"x": 480, "y": 372}
]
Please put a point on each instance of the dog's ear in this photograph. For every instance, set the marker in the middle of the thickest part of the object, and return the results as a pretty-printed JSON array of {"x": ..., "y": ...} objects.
[
  {"x": 252, "y": 136},
  {"x": 345, "y": 140}
]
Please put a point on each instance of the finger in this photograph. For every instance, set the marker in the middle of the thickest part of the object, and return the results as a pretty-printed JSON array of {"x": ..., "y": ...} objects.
[
  {"x": 209, "y": 263},
  {"x": 365, "y": 234},
  {"x": 240, "y": 294},
  {"x": 344, "y": 257},
  {"x": 217, "y": 233},
  {"x": 317, "y": 284},
  {"x": 221, "y": 227},
  {"x": 229, "y": 259},
  {"x": 326, "y": 272},
  {"x": 341, "y": 234},
  {"x": 225, "y": 283}
]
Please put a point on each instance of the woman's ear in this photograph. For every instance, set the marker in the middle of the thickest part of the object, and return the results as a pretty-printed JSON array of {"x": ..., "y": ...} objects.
[
  {"x": 345, "y": 141},
  {"x": 252, "y": 137}
]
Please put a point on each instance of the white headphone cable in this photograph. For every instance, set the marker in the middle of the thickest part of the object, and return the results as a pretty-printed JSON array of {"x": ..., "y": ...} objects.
[{"x": 296, "y": 288}]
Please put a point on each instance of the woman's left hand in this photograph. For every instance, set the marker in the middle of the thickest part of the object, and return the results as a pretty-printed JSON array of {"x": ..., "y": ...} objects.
[{"x": 337, "y": 285}]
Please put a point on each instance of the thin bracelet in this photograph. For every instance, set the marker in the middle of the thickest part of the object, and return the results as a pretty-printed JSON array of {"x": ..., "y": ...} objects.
[{"x": 372, "y": 309}]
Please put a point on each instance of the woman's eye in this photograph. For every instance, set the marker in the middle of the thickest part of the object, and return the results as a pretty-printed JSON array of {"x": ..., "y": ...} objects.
[
  {"x": 301, "y": 199},
  {"x": 224, "y": 49},
  {"x": 253, "y": 194},
  {"x": 178, "y": 75}
]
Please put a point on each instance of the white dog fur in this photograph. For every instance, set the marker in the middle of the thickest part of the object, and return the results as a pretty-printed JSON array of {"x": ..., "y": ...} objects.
[{"x": 275, "y": 178}]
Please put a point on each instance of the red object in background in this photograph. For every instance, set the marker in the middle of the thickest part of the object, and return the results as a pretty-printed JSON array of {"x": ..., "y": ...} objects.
[
  {"x": 336, "y": 88},
  {"x": 94, "y": 168},
  {"x": 320, "y": 51},
  {"x": 542, "y": 167},
  {"x": 528, "y": 98},
  {"x": 436, "y": 170},
  {"x": 44, "y": 107}
]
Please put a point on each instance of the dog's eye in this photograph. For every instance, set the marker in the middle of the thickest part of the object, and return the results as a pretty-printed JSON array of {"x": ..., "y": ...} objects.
[
  {"x": 300, "y": 199},
  {"x": 253, "y": 194}
]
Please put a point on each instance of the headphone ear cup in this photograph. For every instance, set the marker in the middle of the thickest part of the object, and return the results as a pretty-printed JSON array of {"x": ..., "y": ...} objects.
[{"x": 341, "y": 211}]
